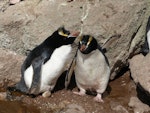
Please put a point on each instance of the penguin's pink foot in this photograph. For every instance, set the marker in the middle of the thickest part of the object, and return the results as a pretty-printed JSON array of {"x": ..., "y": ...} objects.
[
  {"x": 81, "y": 93},
  {"x": 98, "y": 98},
  {"x": 14, "y": 1}
]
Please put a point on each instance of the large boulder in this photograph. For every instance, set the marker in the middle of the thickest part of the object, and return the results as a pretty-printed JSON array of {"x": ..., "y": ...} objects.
[
  {"x": 140, "y": 72},
  {"x": 118, "y": 25},
  {"x": 10, "y": 66}
]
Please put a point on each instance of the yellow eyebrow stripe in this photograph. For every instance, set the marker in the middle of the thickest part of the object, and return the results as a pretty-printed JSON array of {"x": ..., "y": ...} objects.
[
  {"x": 90, "y": 39},
  {"x": 62, "y": 34}
]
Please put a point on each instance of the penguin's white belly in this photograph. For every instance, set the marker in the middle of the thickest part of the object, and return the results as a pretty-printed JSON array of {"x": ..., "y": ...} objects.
[
  {"x": 28, "y": 75},
  {"x": 52, "y": 69},
  {"x": 91, "y": 70}
]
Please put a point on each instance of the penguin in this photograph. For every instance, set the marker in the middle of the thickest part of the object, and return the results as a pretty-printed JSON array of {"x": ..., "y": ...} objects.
[
  {"x": 92, "y": 71},
  {"x": 46, "y": 62},
  {"x": 146, "y": 46}
]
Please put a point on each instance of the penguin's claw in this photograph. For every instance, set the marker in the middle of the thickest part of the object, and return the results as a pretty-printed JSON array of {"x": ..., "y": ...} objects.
[
  {"x": 46, "y": 94},
  {"x": 98, "y": 98}
]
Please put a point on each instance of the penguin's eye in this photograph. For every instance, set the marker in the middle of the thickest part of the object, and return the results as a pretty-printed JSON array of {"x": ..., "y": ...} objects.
[{"x": 62, "y": 34}]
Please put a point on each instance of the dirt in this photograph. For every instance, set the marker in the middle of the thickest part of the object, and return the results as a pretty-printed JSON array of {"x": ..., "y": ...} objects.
[{"x": 116, "y": 100}]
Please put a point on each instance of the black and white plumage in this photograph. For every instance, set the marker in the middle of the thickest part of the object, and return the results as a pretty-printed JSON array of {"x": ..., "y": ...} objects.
[
  {"x": 146, "y": 46},
  {"x": 92, "y": 70},
  {"x": 46, "y": 63}
]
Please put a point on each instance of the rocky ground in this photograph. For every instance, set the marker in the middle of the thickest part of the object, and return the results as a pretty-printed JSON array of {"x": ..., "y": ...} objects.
[
  {"x": 119, "y": 26},
  {"x": 120, "y": 97}
]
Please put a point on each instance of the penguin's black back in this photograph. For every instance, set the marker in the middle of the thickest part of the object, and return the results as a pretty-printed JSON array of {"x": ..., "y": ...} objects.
[
  {"x": 46, "y": 48},
  {"x": 39, "y": 51}
]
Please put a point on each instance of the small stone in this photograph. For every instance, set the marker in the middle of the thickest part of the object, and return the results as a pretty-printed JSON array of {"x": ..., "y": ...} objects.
[
  {"x": 46, "y": 94},
  {"x": 73, "y": 108},
  {"x": 3, "y": 95}
]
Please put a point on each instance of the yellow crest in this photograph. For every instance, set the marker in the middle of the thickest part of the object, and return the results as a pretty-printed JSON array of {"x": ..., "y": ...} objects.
[
  {"x": 60, "y": 32},
  {"x": 89, "y": 41}
]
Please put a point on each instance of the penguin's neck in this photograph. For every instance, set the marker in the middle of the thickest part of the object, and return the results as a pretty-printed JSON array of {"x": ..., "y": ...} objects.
[{"x": 85, "y": 56}]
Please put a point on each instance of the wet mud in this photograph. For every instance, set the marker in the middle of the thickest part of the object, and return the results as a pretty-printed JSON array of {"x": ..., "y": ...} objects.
[{"x": 116, "y": 100}]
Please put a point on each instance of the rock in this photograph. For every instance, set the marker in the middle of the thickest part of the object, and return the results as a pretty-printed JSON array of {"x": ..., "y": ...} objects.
[
  {"x": 138, "y": 106},
  {"x": 3, "y": 96},
  {"x": 14, "y": 1},
  {"x": 118, "y": 25},
  {"x": 73, "y": 108},
  {"x": 140, "y": 72},
  {"x": 115, "y": 106},
  {"x": 10, "y": 65}
]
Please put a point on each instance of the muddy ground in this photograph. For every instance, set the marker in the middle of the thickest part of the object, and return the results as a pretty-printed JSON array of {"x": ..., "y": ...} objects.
[{"x": 116, "y": 99}]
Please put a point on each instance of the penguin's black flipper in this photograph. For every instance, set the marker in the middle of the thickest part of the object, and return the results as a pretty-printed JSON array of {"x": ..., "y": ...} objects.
[
  {"x": 21, "y": 86},
  {"x": 37, "y": 66},
  {"x": 70, "y": 70},
  {"x": 103, "y": 51},
  {"x": 145, "y": 48}
]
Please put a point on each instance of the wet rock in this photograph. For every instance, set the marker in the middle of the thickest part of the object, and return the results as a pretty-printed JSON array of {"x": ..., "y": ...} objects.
[
  {"x": 140, "y": 72},
  {"x": 138, "y": 106},
  {"x": 118, "y": 25}
]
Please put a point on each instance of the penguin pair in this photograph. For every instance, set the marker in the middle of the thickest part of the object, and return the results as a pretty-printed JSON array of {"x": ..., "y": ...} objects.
[
  {"x": 92, "y": 69},
  {"x": 146, "y": 46},
  {"x": 46, "y": 62}
]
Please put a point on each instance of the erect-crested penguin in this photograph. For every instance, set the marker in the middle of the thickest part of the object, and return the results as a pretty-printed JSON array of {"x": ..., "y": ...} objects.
[
  {"x": 92, "y": 69},
  {"x": 46, "y": 62}
]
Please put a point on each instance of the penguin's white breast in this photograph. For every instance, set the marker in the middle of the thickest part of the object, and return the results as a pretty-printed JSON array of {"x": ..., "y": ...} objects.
[
  {"x": 54, "y": 67},
  {"x": 90, "y": 67}
]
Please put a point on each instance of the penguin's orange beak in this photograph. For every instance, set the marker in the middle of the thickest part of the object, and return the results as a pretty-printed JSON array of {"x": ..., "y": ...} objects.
[
  {"x": 74, "y": 34},
  {"x": 83, "y": 47}
]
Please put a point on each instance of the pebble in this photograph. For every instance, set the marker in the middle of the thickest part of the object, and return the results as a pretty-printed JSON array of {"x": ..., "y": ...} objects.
[{"x": 3, "y": 95}]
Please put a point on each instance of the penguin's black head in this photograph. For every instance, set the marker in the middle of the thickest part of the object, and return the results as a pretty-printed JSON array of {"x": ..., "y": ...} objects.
[
  {"x": 87, "y": 44},
  {"x": 63, "y": 37}
]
